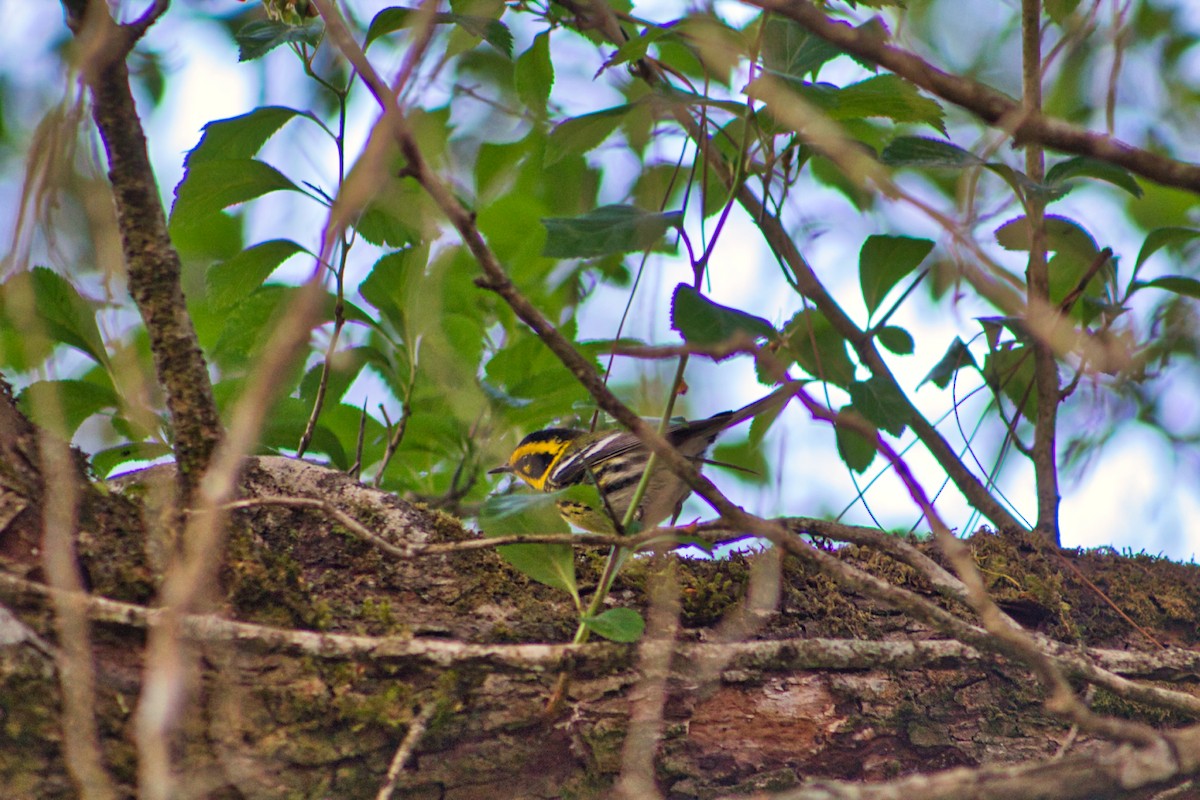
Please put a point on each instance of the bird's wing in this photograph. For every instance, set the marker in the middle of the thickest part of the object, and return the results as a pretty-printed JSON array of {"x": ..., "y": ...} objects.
[{"x": 573, "y": 468}]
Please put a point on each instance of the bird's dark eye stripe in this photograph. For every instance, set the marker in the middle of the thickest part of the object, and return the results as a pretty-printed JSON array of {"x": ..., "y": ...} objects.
[{"x": 534, "y": 463}]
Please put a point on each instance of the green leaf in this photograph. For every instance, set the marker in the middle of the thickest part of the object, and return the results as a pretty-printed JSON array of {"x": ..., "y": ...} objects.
[
  {"x": 387, "y": 286},
  {"x": 702, "y": 322},
  {"x": 607, "y": 230},
  {"x": 918, "y": 151},
  {"x": 1084, "y": 167},
  {"x": 884, "y": 261},
  {"x": 534, "y": 382},
  {"x": 956, "y": 357},
  {"x": 549, "y": 564},
  {"x": 105, "y": 461},
  {"x": 1021, "y": 183},
  {"x": 683, "y": 99},
  {"x": 1009, "y": 369},
  {"x": 760, "y": 425},
  {"x": 818, "y": 348},
  {"x": 1177, "y": 284},
  {"x": 892, "y": 97},
  {"x": 1066, "y": 270},
  {"x": 1060, "y": 10},
  {"x": 62, "y": 406},
  {"x": 492, "y": 31},
  {"x": 231, "y": 281},
  {"x": 1163, "y": 206},
  {"x": 259, "y": 38},
  {"x": 513, "y": 227},
  {"x": 212, "y": 186},
  {"x": 212, "y": 238},
  {"x": 1163, "y": 237},
  {"x": 533, "y": 75},
  {"x": 636, "y": 47},
  {"x": 24, "y": 345},
  {"x": 1062, "y": 236},
  {"x": 521, "y": 512},
  {"x": 886, "y": 96},
  {"x": 382, "y": 228},
  {"x": 389, "y": 20},
  {"x": 61, "y": 313},
  {"x": 246, "y": 324},
  {"x": 881, "y": 403},
  {"x": 747, "y": 455},
  {"x": 346, "y": 366},
  {"x": 677, "y": 54},
  {"x": 856, "y": 451},
  {"x": 897, "y": 340},
  {"x": 289, "y": 418},
  {"x": 832, "y": 175},
  {"x": 240, "y": 137},
  {"x": 617, "y": 625},
  {"x": 995, "y": 327},
  {"x": 717, "y": 45},
  {"x": 578, "y": 135},
  {"x": 790, "y": 50}
]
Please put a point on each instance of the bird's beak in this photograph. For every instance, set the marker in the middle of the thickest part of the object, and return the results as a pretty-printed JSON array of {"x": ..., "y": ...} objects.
[{"x": 499, "y": 470}]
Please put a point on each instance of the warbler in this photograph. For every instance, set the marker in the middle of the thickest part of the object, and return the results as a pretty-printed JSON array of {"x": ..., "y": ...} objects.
[{"x": 555, "y": 458}]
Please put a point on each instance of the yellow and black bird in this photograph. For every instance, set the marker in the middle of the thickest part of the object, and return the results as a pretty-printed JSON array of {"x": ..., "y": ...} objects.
[{"x": 614, "y": 460}]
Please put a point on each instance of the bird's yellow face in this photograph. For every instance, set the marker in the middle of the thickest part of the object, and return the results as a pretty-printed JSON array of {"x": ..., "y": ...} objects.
[{"x": 534, "y": 459}]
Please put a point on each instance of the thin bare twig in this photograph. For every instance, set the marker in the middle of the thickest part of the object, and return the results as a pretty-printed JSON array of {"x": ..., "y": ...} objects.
[
  {"x": 397, "y": 435},
  {"x": 420, "y": 549},
  {"x": 737, "y": 345},
  {"x": 139, "y": 26},
  {"x": 1097, "y": 665},
  {"x": 755, "y": 610},
  {"x": 412, "y": 738},
  {"x": 77, "y": 677},
  {"x": 1108, "y": 600},
  {"x": 649, "y": 696}
]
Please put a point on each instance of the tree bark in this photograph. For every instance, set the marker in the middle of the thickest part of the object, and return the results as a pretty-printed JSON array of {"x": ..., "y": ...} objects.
[{"x": 342, "y": 647}]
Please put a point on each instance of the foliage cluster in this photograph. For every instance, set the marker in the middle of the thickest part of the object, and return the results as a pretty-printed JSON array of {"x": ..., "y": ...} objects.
[{"x": 527, "y": 111}]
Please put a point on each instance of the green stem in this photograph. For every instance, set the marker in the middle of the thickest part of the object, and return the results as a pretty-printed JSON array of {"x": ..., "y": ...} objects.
[
  {"x": 618, "y": 555},
  {"x": 1044, "y": 450}
]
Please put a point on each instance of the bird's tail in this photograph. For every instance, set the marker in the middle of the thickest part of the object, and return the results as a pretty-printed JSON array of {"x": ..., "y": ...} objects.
[
  {"x": 776, "y": 399},
  {"x": 727, "y": 419}
]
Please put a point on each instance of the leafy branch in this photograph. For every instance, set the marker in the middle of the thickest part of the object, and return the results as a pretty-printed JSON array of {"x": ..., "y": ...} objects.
[{"x": 991, "y": 106}]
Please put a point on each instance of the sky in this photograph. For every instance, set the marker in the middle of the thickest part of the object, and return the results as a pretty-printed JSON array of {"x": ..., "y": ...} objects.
[{"x": 1130, "y": 498}]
